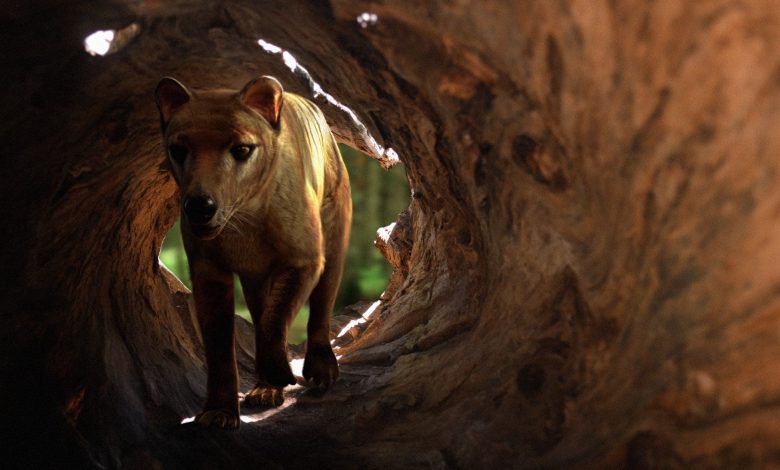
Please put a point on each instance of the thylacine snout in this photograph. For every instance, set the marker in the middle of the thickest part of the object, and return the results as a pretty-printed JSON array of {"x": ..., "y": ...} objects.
[
  {"x": 207, "y": 217},
  {"x": 200, "y": 210}
]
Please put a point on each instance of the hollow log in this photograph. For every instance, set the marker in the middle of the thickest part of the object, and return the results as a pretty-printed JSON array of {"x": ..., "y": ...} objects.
[{"x": 588, "y": 271}]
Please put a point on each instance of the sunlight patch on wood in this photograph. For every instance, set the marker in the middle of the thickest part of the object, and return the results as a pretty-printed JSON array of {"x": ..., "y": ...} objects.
[{"x": 358, "y": 321}]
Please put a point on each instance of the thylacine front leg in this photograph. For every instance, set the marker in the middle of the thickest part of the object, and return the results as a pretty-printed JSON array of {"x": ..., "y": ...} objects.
[
  {"x": 273, "y": 307},
  {"x": 212, "y": 289},
  {"x": 255, "y": 287},
  {"x": 320, "y": 366}
]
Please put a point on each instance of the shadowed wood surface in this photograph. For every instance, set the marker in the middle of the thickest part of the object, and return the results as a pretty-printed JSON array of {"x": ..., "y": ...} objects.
[{"x": 587, "y": 275}]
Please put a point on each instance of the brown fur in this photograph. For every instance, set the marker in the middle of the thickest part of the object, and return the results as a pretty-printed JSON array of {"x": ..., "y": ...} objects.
[{"x": 281, "y": 223}]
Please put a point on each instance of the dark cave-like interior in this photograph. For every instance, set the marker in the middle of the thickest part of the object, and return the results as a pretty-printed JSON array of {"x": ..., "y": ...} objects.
[{"x": 586, "y": 274}]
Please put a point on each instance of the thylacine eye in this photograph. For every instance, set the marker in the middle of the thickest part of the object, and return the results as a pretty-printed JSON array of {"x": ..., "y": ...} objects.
[
  {"x": 242, "y": 152},
  {"x": 178, "y": 153}
]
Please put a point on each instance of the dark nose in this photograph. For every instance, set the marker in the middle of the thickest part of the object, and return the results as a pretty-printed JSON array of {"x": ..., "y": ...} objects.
[{"x": 199, "y": 209}]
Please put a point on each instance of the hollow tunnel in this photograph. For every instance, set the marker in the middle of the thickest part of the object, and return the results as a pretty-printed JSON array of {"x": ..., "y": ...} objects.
[{"x": 586, "y": 275}]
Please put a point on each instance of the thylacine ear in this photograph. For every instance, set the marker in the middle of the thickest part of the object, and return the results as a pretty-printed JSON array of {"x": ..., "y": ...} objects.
[
  {"x": 264, "y": 95},
  {"x": 170, "y": 96}
]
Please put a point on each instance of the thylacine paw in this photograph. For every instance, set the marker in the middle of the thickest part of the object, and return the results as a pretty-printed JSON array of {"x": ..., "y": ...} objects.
[
  {"x": 264, "y": 395},
  {"x": 320, "y": 365},
  {"x": 218, "y": 419}
]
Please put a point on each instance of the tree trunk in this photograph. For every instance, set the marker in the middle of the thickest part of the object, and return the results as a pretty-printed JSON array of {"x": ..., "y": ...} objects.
[{"x": 586, "y": 275}]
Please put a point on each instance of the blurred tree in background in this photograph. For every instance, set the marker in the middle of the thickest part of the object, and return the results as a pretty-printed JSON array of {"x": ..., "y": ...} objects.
[{"x": 377, "y": 198}]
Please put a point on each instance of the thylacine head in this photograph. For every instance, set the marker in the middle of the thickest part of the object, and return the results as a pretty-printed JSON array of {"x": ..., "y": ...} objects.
[{"x": 220, "y": 144}]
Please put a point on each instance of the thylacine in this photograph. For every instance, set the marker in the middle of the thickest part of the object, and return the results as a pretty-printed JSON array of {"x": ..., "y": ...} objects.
[{"x": 264, "y": 194}]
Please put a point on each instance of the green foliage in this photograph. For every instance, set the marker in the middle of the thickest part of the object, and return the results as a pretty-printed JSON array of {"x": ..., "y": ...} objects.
[{"x": 378, "y": 197}]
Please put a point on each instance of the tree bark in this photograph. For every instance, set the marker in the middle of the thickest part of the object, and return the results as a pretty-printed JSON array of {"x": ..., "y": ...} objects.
[{"x": 586, "y": 275}]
